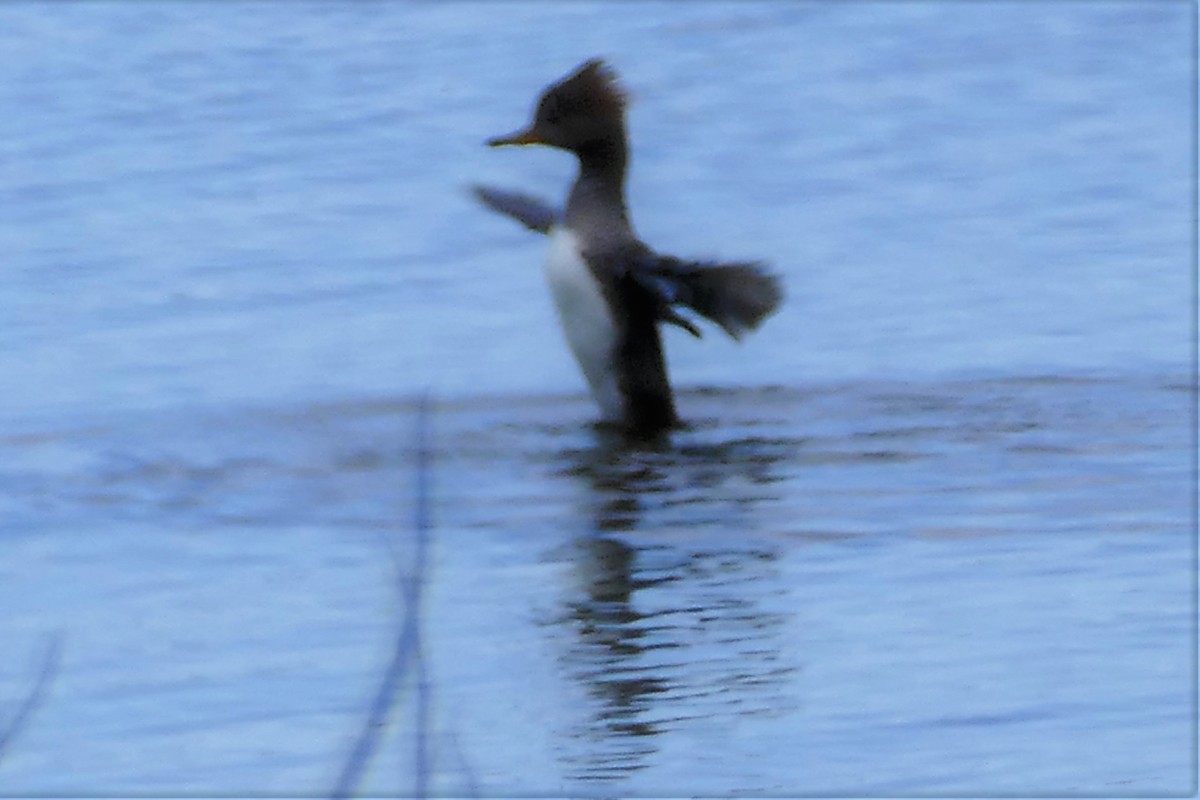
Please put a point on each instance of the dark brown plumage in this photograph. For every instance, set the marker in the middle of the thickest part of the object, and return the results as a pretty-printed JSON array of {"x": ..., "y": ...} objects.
[{"x": 584, "y": 113}]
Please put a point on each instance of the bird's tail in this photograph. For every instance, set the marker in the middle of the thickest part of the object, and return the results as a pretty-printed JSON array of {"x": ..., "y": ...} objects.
[{"x": 737, "y": 296}]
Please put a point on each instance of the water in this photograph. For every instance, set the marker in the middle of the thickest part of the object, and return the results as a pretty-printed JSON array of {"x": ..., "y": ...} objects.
[{"x": 930, "y": 530}]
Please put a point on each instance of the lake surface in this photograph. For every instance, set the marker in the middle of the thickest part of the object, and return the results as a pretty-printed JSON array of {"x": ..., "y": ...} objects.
[{"x": 931, "y": 531}]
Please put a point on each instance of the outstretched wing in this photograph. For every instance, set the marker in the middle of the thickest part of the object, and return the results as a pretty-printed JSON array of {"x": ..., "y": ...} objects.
[
  {"x": 531, "y": 212},
  {"x": 738, "y": 296},
  {"x": 633, "y": 263}
]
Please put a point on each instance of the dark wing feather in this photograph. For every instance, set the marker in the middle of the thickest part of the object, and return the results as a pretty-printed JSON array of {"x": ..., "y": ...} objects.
[
  {"x": 737, "y": 296},
  {"x": 535, "y": 214},
  {"x": 634, "y": 261}
]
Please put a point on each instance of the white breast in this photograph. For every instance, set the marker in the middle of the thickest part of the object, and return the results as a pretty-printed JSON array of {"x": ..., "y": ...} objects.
[{"x": 586, "y": 319}]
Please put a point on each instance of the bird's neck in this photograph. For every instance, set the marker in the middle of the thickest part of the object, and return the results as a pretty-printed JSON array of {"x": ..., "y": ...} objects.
[{"x": 598, "y": 196}]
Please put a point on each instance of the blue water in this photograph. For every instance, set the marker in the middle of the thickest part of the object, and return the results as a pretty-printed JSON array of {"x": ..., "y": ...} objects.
[{"x": 931, "y": 530}]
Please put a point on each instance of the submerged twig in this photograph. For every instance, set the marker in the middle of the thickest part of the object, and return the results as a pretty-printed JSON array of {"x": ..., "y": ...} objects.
[
  {"x": 421, "y": 784},
  {"x": 413, "y": 587},
  {"x": 472, "y": 789},
  {"x": 407, "y": 648},
  {"x": 37, "y": 693}
]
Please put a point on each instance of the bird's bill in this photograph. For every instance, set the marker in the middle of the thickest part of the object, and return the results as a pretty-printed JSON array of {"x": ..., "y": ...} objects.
[{"x": 527, "y": 136}]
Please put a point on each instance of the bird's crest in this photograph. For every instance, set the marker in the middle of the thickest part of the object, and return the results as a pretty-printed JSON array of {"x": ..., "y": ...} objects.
[{"x": 594, "y": 86}]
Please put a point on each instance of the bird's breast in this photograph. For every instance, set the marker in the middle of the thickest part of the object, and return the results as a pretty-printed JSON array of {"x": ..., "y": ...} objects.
[{"x": 586, "y": 318}]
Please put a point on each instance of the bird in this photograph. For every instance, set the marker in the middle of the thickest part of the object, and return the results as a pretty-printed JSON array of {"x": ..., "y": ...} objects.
[{"x": 611, "y": 290}]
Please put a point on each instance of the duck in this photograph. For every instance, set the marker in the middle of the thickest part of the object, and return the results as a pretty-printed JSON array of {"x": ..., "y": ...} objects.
[{"x": 611, "y": 291}]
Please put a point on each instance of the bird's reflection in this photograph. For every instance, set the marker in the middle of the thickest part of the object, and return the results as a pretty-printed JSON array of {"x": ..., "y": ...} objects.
[{"x": 668, "y": 619}]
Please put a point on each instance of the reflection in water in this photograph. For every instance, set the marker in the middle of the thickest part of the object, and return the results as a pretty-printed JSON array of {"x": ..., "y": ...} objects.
[
  {"x": 704, "y": 653},
  {"x": 701, "y": 577},
  {"x": 612, "y": 633}
]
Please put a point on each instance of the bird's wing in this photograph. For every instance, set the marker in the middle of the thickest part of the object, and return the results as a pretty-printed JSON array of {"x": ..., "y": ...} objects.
[
  {"x": 738, "y": 296},
  {"x": 531, "y": 212},
  {"x": 630, "y": 263}
]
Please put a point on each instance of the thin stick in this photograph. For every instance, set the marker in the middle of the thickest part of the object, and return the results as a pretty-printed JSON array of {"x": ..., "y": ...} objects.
[
  {"x": 415, "y": 586},
  {"x": 45, "y": 676},
  {"x": 409, "y": 639}
]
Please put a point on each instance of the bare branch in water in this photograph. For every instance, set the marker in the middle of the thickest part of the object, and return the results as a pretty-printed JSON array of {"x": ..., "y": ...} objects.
[
  {"x": 45, "y": 676},
  {"x": 406, "y": 651}
]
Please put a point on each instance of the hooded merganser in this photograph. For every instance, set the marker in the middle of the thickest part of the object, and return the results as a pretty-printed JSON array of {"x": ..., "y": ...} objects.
[{"x": 610, "y": 289}]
